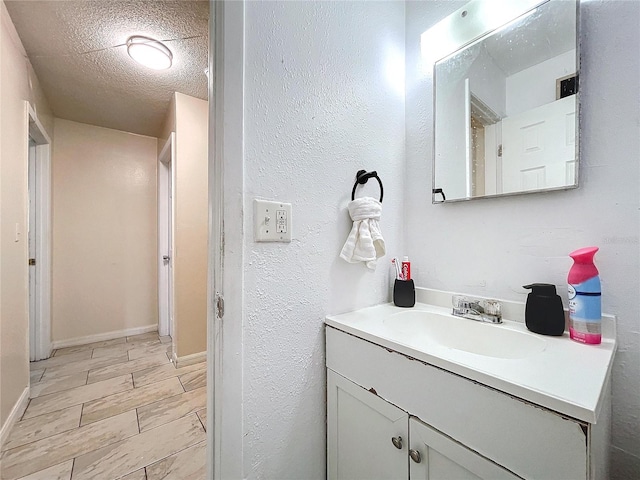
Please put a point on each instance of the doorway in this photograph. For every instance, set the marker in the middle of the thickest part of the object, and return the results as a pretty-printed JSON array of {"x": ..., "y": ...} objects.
[
  {"x": 39, "y": 237},
  {"x": 486, "y": 150},
  {"x": 166, "y": 209}
]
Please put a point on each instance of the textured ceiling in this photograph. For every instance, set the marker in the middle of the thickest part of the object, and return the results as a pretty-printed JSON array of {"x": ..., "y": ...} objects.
[{"x": 106, "y": 87}]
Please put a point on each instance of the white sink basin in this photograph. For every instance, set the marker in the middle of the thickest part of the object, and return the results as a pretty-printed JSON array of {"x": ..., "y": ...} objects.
[{"x": 466, "y": 335}]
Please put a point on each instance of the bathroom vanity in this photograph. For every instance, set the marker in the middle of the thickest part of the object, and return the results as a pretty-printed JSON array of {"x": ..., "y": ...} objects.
[{"x": 418, "y": 393}]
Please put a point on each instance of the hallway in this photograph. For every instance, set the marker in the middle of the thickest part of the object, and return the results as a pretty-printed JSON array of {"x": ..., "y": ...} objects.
[{"x": 116, "y": 409}]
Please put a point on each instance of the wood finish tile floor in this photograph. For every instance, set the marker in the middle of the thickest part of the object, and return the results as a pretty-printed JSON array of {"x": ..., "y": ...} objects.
[{"x": 113, "y": 410}]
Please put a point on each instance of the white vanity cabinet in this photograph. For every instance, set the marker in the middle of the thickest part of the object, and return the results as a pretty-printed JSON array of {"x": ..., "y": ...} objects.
[
  {"x": 458, "y": 427},
  {"x": 371, "y": 439},
  {"x": 435, "y": 456},
  {"x": 367, "y": 435}
]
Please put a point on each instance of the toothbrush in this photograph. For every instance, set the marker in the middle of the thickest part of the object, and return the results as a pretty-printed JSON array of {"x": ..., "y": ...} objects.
[{"x": 396, "y": 264}]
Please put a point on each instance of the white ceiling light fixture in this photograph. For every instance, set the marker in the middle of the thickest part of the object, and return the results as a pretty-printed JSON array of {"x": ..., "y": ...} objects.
[{"x": 149, "y": 52}]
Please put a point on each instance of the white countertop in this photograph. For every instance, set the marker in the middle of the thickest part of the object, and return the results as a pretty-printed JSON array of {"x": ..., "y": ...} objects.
[{"x": 567, "y": 376}]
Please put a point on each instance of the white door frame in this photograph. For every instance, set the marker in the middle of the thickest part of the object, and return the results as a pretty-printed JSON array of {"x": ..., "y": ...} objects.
[
  {"x": 225, "y": 264},
  {"x": 31, "y": 241},
  {"x": 467, "y": 135},
  {"x": 166, "y": 231},
  {"x": 40, "y": 320}
]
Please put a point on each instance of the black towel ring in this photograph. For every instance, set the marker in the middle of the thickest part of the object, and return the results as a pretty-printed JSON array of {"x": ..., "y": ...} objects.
[{"x": 362, "y": 177}]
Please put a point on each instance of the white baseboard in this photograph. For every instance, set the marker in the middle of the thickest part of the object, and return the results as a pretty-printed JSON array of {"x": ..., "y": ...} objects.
[
  {"x": 101, "y": 337},
  {"x": 188, "y": 359},
  {"x": 16, "y": 412}
]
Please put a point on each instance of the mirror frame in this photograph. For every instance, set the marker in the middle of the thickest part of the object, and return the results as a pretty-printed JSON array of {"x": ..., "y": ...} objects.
[{"x": 472, "y": 32}]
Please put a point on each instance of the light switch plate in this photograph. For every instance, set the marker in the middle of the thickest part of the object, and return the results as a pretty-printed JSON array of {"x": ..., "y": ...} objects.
[{"x": 272, "y": 221}]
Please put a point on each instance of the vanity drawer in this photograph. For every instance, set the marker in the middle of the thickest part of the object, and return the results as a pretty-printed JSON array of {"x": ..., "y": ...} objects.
[{"x": 531, "y": 441}]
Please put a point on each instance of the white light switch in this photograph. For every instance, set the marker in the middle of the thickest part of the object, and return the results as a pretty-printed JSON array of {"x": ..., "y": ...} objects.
[{"x": 272, "y": 221}]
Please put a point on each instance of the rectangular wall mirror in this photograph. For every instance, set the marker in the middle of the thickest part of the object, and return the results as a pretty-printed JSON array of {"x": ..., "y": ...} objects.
[{"x": 505, "y": 78}]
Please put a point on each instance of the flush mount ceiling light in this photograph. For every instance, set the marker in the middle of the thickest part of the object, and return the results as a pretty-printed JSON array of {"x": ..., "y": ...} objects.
[{"x": 149, "y": 52}]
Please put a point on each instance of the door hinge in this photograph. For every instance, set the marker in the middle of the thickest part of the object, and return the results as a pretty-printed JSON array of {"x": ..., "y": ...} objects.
[
  {"x": 32, "y": 261},
  {"x": 499, "y": 150},
  {"x": 219, "y": 305}
]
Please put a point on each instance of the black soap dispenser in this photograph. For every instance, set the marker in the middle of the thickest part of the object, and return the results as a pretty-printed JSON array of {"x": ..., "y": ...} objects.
[{"x": 544, "y": 313}]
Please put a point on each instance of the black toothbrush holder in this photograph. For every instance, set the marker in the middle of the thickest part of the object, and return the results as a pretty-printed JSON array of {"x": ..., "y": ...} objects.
[{"x": 404, "y": 293}]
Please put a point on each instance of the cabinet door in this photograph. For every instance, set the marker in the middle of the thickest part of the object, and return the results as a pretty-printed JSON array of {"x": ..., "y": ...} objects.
[
  {"x": 441, "y": 458},
  {"x": 367, "y": 437}
]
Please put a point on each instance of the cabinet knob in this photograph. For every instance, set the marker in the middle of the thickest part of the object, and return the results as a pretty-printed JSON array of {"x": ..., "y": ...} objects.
[
  {"x": 415, "y": 455},
  {"x": 397, "y": 442}
]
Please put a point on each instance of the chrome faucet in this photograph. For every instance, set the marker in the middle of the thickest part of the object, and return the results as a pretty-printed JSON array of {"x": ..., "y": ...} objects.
[{"x": 481, "y": 310}]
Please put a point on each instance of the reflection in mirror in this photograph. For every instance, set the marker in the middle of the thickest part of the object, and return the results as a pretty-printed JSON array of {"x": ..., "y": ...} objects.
[{"x": 505, "y": 105}]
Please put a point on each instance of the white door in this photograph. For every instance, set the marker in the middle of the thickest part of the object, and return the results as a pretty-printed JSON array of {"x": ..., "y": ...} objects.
[
  {"x": 538, "y": 147},
  {"x": 166, "y": 179},
  {"x": 168, "y": 257},
  {"x": 32, "y": 239},
  {"x": 39, "y": 236},
  {"x": 435, "y": 456},
  {"x": 367, "y": 436}
]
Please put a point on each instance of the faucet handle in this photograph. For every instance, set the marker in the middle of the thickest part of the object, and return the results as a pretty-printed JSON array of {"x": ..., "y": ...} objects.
[
  {"x": 479, "y": 306},
  {"x": 491, "y": 307},
  {"x": 460, "y": 302},
  {"x": 484, "y": 309}
]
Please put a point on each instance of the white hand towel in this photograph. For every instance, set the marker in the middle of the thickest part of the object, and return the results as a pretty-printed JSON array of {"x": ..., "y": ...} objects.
[{"x": 365, "y": 242}]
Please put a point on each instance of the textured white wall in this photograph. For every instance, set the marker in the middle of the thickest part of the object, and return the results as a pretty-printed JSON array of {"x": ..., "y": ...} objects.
[
  {"x": 321, "y": 102},
  {"x": 494, "y": 246}
]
